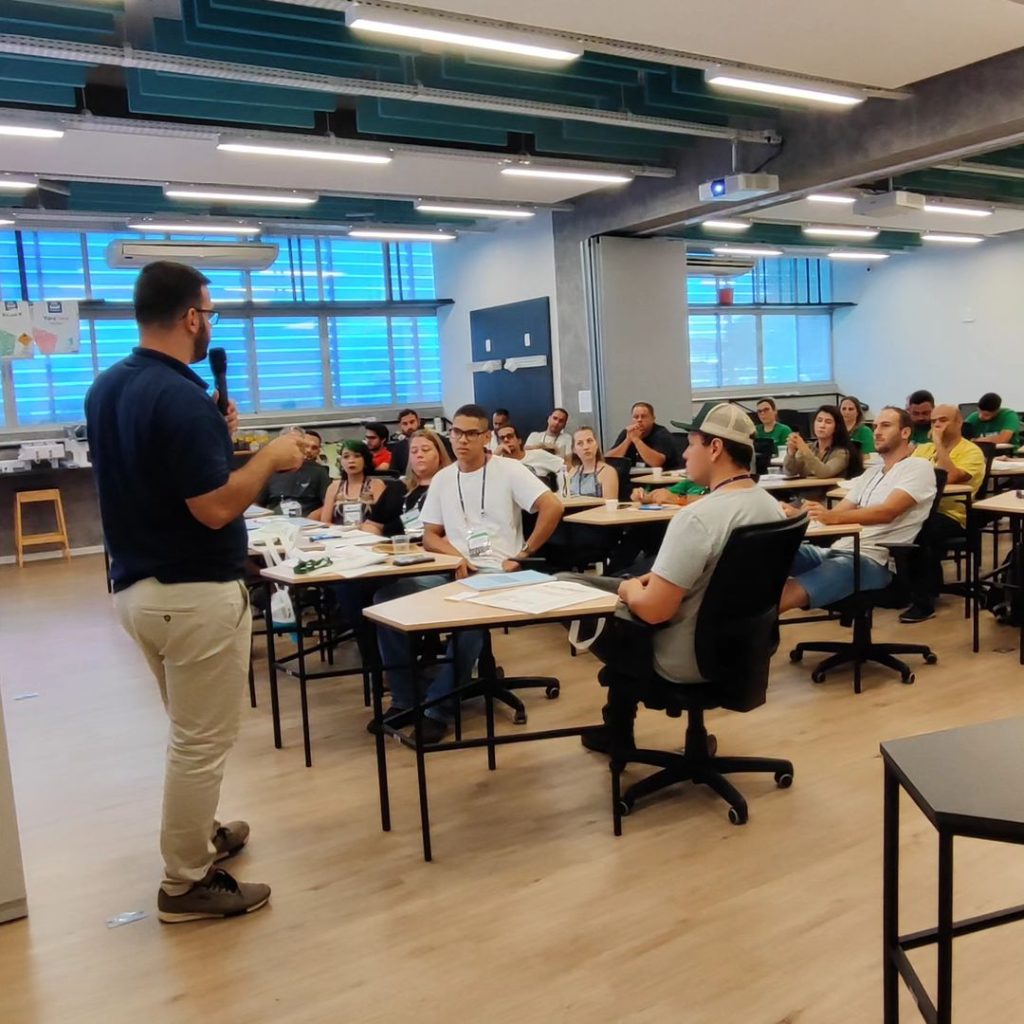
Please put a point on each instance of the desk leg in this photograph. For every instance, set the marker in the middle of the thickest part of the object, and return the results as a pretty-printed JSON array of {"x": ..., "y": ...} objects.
[
  {"x": 303, "y": 697},
  {"x": 421, "y": 780},
  {"x": 856, "y": 590},
  {"x": 377, "y": 686},
  {"x": 974, "y": 537},
  {"x": 890, "y": 898},
  {"x": 275, "y": 706},
  {"x": 944, "y": 945}
]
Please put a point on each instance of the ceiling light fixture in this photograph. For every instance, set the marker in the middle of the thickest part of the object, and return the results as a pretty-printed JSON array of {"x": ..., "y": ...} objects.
[
  {"x": 346, "y": 156},
  {"x": 957, "y": 211},
  {"x": 474, "y": 211},
  {"x": 195, "y": 229},
  {"x": 399, "y": 235},
  {"x": 22, "y": 131},
  {"x": 736, "y": 250},
  {"x": 231, "y": 196},
  {"x": 424, "y": 29},
  {"x": 17, "y": 185},
  {"x": 932, "y": 236},
  {"x": 779, "y": 85},
  {"x": 596, "y": 177},
  {"x": 4, "y": 222},
  {"x": 831, "y": 197},
  {"x": 853, "y": 255},
  {"x": 725, "y": 225},
  {"x": 834, "y": 231}
]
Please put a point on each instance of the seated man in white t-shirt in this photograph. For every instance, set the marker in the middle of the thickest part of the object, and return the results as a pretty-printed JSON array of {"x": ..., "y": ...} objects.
[
  {"x": 538, "y": 461},
  {"x": 474, "y": 509},
  {"x": 891, "y": 501},
  {"x": 555, "y": 439}
]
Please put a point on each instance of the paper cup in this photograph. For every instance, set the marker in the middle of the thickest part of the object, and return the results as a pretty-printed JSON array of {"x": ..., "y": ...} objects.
[{"x": 401, "y": 545}]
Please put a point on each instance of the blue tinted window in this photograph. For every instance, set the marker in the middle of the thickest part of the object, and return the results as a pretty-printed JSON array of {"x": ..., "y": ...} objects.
[{"x": 289, "y": 361}]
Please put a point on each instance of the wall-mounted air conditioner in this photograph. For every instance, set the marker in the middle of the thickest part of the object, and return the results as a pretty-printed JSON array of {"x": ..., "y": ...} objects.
[
  {"x": 124, "y": 252},
  {"x": 717, "y": 266}
]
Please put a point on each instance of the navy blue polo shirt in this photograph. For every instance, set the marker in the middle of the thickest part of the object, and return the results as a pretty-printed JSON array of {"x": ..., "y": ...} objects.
[{"x": 155, "y": 439}]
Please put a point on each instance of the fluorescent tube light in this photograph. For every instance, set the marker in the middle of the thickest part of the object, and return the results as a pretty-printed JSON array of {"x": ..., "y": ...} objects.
[
  {"x": 386, "y": 235},
  {"x": 195, "y": 229},
  {"x": 725, "y": 225},
  {"x": 778, "y": 85},
  {"x": 21, "y": 131},
  {"x": 17, "y": 185},
  {"x": 827, "y": 231},
  {"x": 932, "y": 236},
  {"x": 299, "y": 153},
  {"x": 957, "y": 211},
  {"x": 474, "y": 211},
  {"x": 831, "y": 197},
  {"x": 603, "y": 178},
  {"x": 229, "y": 196},
  {"x": 427, "y": 30},
  {"x": 858, "y": 255},
  {"x": 736, "y": 250},
  {"x": 4, "y": 222}
]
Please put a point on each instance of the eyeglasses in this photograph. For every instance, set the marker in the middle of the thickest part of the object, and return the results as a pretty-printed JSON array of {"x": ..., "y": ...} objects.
[
  {"x": 212, "y": 314},
  {"x": 470, "y": 435}
]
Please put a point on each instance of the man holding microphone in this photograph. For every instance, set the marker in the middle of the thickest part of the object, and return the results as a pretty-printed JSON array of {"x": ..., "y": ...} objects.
[{"x": 172, "y": 504}]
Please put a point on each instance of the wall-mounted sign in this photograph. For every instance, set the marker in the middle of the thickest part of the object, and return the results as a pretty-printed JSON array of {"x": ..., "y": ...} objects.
[{"x": 49, "y": 327}]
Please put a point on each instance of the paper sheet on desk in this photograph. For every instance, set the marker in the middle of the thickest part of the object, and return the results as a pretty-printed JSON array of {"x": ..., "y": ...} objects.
[
  {"x": 355, "y": 539},
  {"x": 342, "y": 561},
  {"x": 543, "y": 597}
]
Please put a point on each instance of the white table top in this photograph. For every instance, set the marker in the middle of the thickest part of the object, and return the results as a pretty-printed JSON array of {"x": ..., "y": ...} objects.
[{"x": 1008, "y": 504}]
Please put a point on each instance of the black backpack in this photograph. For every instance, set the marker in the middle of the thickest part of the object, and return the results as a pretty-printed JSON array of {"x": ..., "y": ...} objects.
[{"x": 1001, "y": 593}]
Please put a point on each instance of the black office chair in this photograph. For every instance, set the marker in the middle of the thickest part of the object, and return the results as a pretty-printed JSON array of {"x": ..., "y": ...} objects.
[
  {"x": 857, "y": 611},
  {"x": 622, "y": 468},
  {"x": 764, "y": 452},
  {"x": 736, "y": 635},
  {"x": 797, "y": 420}
]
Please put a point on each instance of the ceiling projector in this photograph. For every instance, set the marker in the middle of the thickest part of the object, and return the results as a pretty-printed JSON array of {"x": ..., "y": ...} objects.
[
  {"x": 889, "y": 204},
  {"x": 735, "y": 187}
]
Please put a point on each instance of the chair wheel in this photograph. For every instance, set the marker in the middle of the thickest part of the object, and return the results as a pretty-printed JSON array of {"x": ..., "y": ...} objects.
[
  {"x": 737, "y": 817},
  {"x": 519, "y": 718},
  {"x": 931, "y": 658},
  {"x": 551, "y": 692},
  {"x": 624, "y": 808},
  {"x": 783, "y": 779},
  {"x": 907, "y": 679},
  {"x": 796, "y": 655},
  {"x": 817, "y": 676}
]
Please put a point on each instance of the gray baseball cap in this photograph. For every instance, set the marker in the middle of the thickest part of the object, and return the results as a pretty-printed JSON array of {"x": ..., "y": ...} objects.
[{"x": 724, "y": 420}]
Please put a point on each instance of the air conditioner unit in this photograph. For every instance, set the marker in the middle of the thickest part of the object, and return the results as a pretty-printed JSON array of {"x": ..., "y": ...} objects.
[
  {"x": 124, "y": 252},
  {"x": 717, "y": 266}
]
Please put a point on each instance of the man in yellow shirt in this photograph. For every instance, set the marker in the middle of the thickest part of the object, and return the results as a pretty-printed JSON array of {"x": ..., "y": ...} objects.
[{"x": 964, "y": 463}]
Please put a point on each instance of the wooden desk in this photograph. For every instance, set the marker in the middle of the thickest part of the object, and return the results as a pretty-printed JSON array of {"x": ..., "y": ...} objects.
[
  {"x": 668, "y": 478},
  {"x": 430, "y": 612},
  {"x": 949, "y": 491},
  {"x": 384, "y": 570},
  {"x": 1007, "y": 467},
  {"x": 800, "y": 483},
  {"x": 580, "y": 501},
  {"x": 966, "y": 783},
  {"x": 631, "y": 516}
]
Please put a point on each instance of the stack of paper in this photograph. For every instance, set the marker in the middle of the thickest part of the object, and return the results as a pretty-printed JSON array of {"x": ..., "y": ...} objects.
[{"x": 540, "y": 598}]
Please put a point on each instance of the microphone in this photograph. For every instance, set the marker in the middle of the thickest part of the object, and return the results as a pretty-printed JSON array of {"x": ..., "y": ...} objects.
[{"x": 219, "y": 368}]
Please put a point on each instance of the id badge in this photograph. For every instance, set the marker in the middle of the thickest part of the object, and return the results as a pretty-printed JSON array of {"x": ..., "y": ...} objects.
[
  {"x": 351, "y": 513},
  {"x": 479, "y": 543},
  {"x": 411, "y": 521}
]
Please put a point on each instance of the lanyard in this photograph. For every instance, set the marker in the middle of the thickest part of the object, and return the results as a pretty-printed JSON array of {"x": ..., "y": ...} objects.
[
  {"x": 364, "y": 489},
  {"x": 483, "y": 492},
  {"x": 732, "y": 480}
]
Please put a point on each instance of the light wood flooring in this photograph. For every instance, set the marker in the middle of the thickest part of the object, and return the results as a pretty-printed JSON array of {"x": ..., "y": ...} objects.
[{"x": 532, "y": 910}]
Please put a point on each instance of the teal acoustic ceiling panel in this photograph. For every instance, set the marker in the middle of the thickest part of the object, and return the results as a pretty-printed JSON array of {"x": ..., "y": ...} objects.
[{"x": 74, "y": 20}]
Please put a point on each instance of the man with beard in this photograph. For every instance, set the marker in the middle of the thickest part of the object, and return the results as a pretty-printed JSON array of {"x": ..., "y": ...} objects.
[{"x": 172, "y": 503}]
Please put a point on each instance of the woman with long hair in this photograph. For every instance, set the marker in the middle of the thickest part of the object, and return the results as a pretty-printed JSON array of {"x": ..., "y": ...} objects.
[
  {"x": 590, "y": 476},
  {"x": 853, "y": 417},
  {"x": 355, "y": 497},
  {"x": 427, "y": 455},
  {"x": 831, "y": 454}
]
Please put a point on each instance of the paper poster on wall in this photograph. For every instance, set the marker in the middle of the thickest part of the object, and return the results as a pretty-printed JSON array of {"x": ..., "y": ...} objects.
[
  {"x": 55, "y": 327},
  {"x": 16, "y": 341}
]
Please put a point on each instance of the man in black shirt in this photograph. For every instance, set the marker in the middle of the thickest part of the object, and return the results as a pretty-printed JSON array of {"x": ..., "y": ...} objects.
[
  {"x": 303, "y": 490},
  {"x": 646, "y": 441},
  {"x": 172, "y": 503}
]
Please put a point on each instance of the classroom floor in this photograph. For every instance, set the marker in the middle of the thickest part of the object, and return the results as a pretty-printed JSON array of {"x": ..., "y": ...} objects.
[{"x": 532, "y": 910}]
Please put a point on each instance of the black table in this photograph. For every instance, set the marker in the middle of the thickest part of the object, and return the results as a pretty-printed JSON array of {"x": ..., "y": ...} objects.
[{"x": 967, "y": 783}]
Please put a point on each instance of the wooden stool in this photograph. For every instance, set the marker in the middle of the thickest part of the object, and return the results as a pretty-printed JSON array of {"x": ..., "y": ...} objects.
[{"x": 23, "y": 540}]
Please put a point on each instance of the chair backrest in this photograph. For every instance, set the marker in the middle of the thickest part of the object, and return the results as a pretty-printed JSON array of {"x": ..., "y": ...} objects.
[
  {"x": 737, "y": 625},
  {"x": 797, "y": 420},
  {"x": 764, "y": 452},
  {"x": 989, "y": 451},
  {"x": 622, "y": 468},
  {"x": 940, "y": 485}
]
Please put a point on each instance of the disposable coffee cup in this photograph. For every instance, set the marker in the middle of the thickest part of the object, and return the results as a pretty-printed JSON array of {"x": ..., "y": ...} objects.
[
  {"x": 611, "y": 504},
  {"x": 402, "y": 544},
  {"x": 656, "y": 471}
]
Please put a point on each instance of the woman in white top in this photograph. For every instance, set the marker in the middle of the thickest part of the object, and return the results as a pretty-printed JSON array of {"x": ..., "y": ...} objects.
[{"x": 590, "y": 475}]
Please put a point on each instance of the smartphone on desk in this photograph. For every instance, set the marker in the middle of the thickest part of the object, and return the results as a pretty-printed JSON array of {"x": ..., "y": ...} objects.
[{"x": 412, "y": 559}]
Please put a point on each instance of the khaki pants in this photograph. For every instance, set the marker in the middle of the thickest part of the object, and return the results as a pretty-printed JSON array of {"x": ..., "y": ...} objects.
[{"x": 195, "y": 637}]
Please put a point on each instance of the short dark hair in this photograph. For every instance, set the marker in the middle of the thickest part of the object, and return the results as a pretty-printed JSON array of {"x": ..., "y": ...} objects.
[
  {"x": 165, "y": 291},
  {"x": 741, "y": 454},
  {"x": 408, "y": 412},
  {"x": 316, "y": 434},
  {"x": 497, "y": 412},
  {"x": 513, "y": 428},
  {"x": 990, "y": 402},
  {"x": 564, "y": 412},
  {"x": 360, "y": 448},
  {"x": 646, "y": 405},
  {"x": 475, "y": 412},
  {"x": 918, "y": 397},
  {"x": 905, "y": 420},
  {"x": 770, "y": 401},
  {"x": 379, "y": 429}
]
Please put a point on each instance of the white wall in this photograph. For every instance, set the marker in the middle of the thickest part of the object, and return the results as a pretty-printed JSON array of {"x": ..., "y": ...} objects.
[
  {"x": 949, "y": 320},
  {"x": 515, "y": 263}
]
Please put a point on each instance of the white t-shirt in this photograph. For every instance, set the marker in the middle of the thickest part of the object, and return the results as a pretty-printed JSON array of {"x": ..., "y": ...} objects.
[
  {"x": 693, "y": 544},
  {"x": 493, "y": 499},
  {"x": 914, "y": 476},
  {"x": 562, "y": 443}
]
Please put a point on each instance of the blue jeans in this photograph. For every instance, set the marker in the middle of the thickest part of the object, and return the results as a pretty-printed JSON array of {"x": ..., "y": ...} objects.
[
  {"x": 827, "y": 574},
  {"x": 396, "y": 651}
]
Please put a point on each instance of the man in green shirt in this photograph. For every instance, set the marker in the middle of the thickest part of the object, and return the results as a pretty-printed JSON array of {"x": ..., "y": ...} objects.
[
  {"x": 920, "y": 405},
  {"x": 993, "y": 423},
  {"x": 770, "y": 427}
]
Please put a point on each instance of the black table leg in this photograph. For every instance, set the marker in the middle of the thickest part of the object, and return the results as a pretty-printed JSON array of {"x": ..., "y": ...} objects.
[
  {"x": 421, "y": 779},
  {"x": 275, "y": 706},
  {"x": 377, "y": 686},
  {"x": 856, "y": 591},
  {"x": 303, "y": 697},
  {"x": 944, "y": 942},
  {"x": 890, "y": 898}
]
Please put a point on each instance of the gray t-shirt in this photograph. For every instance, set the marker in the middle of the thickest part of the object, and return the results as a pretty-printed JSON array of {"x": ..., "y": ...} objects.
[{"x": 694, "y": 541}]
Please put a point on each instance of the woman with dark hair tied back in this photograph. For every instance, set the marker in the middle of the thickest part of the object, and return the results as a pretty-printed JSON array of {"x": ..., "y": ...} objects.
[
  {"x": 356, "y": 496},
  {"x": 830, "y": 456},
  {"x": 853, "y": 416}
]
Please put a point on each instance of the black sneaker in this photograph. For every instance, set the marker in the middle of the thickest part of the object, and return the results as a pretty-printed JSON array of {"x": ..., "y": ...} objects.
[
  {"x": 217, "y": 895},
  {"x": 915, "y": 613},
  {"x": 390, "y": 716},
  {"x": 432, "y": 731}
]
